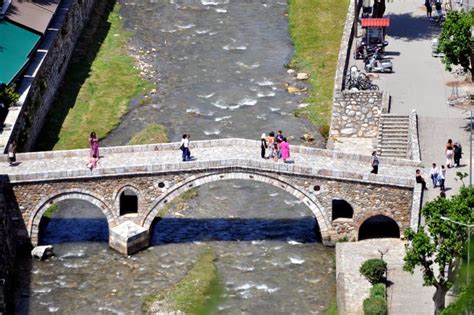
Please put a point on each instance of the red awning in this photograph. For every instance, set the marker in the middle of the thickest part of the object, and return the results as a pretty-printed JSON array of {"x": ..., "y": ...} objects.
[{"x": 384, "y": 22}]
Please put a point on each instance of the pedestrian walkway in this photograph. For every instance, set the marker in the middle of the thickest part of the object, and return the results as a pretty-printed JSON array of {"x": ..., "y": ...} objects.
[
  {"x": 133, "y": 159},
  {"x": 419, "y": 82}
]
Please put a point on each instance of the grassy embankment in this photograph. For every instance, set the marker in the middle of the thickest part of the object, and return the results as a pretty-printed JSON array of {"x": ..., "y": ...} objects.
[
  {"x": 196, "y": 293},
  {"x": 99, "y": 83},
  {"x": 153, "y": 133},
  {"x": 316, "y": 30}
]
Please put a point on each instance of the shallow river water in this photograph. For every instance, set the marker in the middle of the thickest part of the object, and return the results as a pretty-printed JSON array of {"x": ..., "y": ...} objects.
[
  {"x": 219, "y": 69},
  {"x": 269, "y": 258}
]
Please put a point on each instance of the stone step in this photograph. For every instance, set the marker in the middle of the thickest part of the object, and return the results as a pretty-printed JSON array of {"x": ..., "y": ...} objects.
[
  {"x": 394, "y": 123},
  {"x": 394, "y": 116},
  {"x": 393, "y": 141},
  {"x": 398, "y": 127},
  {"x": 394, "y": 135},
  {"x": 393, "y": 152},
  {"x": 393, "y": 149}
]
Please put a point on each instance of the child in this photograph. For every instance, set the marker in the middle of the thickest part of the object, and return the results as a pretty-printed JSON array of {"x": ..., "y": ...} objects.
[
  {"x": 92, "y": 162},
  {"x": 276, "y": 152}
]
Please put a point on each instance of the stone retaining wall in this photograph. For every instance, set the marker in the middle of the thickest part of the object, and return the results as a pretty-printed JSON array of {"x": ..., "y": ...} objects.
[
  {"x": 45, "y": 73},
  {"x": 357, "y": 113},
  {"x": 7, "y": 254}
]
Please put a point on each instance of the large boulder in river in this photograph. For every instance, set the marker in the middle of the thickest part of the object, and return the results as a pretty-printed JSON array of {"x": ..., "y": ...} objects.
[{"x": 42, "y": 252}]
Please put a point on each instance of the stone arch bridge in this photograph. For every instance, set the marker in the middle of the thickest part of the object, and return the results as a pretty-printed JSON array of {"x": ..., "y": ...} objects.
[{"x": 132, "y": 183}]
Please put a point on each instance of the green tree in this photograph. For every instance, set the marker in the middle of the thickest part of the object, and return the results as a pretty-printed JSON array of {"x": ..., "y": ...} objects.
[
  {"x": 455, "y": 40},
  {"x": 440, "y": 244},
  {"x": 8, "y": 95}
]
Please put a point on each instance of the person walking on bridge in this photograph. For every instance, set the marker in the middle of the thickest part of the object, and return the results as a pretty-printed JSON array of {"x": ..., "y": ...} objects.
[
  {"x": 94, "y": 144},
  {"x": 263, "y": 145},
  {"x": 184, "y": 146},
  {"x": 375, "y": 163},
  {"x": 285, "y": 150}
]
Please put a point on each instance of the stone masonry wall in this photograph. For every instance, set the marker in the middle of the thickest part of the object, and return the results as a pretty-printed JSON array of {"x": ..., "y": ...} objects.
[
  {"x": 53, "y": 57},
  {"x": 357, "y": 113},
  {"x": 7, "y": 253},
  {"x": 363, "y": 197}
]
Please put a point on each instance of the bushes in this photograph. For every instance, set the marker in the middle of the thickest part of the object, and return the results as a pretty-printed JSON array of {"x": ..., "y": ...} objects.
[
  {"x": 375, "y": 305},
  {"x": 373, "y": 270}
]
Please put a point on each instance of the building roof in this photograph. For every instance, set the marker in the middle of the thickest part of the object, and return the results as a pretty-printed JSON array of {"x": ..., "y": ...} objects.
[
  {"x": 33, "y": 14},
  {"x": 16, "y": 45},
  {"x": 383, "y": 22}
]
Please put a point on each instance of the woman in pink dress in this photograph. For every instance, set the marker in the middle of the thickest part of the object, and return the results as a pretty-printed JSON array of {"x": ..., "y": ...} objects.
[
  {"x": 285, "y": 150},
  {"x": 94, "y": 145}
]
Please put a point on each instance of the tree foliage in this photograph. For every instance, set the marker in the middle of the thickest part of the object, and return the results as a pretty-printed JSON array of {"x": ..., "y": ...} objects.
[
  {"x": 439, "y": 246},
  {"x": 8, "y": 95},
  {"x": 455, "y": 40},
  {"x": 374, "y": 270}
]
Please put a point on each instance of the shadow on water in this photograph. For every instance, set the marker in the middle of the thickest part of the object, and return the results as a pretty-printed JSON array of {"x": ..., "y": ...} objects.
[
  {"x": 183, "y": 230},
  {"x": 77, "y": 72},
  {"x": 411, "y": 28},
  {"x": 66, "y": 230}
]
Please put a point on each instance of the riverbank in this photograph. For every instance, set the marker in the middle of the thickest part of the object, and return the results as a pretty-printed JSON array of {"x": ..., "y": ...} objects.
[
  {"x": 316, "y": 30},
  {"x": 98, "y": 86}
]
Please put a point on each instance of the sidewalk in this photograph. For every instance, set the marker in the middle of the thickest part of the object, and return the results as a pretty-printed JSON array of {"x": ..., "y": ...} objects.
[{"x": 419, "y": 82}]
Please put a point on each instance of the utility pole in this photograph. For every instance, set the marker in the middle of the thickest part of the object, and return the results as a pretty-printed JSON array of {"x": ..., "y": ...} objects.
[{"x": 470, "y": 152}]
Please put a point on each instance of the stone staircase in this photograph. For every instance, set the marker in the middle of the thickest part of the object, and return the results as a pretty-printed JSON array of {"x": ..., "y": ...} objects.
[{"x": 393, "y": 136}]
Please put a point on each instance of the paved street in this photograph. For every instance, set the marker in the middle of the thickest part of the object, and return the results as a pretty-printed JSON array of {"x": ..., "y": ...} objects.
[{"x": 420, "y": 82}]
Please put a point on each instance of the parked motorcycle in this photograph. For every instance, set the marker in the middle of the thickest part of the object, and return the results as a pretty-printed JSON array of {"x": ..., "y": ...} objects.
[
  {"x": 365, "y": 50},
  {"x": 377, "y": 64}
]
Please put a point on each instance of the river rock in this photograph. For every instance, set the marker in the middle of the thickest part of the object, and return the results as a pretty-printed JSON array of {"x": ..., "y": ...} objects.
[
  {"x": 42, "y": 252},
  {"x": 290, "y": 71},
  {"x": 303, "y": 105},
  {"x": 302, "y": 76},
  {"x": 308, "y": 137}
]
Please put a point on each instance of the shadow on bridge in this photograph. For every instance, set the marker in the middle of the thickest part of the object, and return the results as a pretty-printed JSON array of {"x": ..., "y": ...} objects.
[{"x": 185, "y": 230}]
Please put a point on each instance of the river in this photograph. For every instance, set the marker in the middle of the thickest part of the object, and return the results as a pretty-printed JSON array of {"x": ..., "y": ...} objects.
[{"x": 219, "y": 69}]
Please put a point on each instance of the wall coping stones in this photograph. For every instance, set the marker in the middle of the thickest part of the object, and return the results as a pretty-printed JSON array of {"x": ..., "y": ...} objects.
[{"x": 413, "y": 140}]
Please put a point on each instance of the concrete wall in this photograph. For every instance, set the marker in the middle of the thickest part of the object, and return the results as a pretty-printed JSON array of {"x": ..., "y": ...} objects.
[
  {"x": 45, "y": 73},
  {"x": 7, "y": 253}
]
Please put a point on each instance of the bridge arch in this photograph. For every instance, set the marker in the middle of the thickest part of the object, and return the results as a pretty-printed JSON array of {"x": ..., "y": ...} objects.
[
  {"x": 378, "y": 226},
  {"x": 119, "y": 194},
  {"x": 45, "y": 203},
  {"x": 194, "y": 181}
]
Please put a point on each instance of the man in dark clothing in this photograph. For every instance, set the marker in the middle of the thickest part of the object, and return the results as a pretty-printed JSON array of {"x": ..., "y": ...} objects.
[
  {"x": 420, "y": 180},
  {"x": 457, "y": 154}
]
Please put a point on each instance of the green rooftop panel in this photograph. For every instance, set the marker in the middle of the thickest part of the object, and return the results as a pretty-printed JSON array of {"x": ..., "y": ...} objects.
[{"x": 16, "y": 44}]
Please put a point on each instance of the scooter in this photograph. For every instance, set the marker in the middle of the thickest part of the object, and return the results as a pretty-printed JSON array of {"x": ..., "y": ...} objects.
[
  {"x": 376, "y": 64},
  {"x": 364, "y": 50}
]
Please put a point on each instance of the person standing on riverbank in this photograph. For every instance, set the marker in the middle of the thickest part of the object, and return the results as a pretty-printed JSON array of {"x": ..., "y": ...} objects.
[{"x": 94, "y": 145}]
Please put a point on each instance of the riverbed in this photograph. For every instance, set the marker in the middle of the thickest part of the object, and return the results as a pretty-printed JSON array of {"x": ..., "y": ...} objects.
[{"x": 219, "y": 69}]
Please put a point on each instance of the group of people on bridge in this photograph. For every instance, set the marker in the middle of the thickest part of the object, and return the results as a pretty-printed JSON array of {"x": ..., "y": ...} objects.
[{"x": 277, "y": 145}]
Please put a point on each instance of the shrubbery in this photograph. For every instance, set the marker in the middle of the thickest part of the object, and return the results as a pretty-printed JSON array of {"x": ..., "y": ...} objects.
[
  {"x": 375, "y": 305},
  {"x": 374, "y": 270}
]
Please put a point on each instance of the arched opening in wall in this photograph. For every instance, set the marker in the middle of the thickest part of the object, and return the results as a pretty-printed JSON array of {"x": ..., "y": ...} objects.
[
  {"x": 235, "y": 211},
  {"x": 73, "y": 220},
  {"x": 128, "y": 202},
  {"x": 379, "y": 226},
  {"x": 341, "y": 209}
]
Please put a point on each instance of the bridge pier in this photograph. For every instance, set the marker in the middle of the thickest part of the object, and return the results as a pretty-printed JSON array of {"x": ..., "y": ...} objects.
[{"x": 128, "y": 238}]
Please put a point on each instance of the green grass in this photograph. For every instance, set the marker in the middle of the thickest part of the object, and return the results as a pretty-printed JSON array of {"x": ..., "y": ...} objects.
[
  {"x": 197, "y": 292},
  {"x": 153, "y": 133},
  {"x": 332, "y": 310},
  {"x": 316, "y": 29},
  {"x": 178, "y": 203},
  {"x": 98, "y": 86},
  {"x": 50, "y": 211}
]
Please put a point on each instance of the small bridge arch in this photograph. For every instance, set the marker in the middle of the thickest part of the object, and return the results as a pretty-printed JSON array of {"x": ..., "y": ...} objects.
[
  {"x": 378, "y": 226},
  {"x": 45, "y": 203},
  {"x": 309, "y": 200}
]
